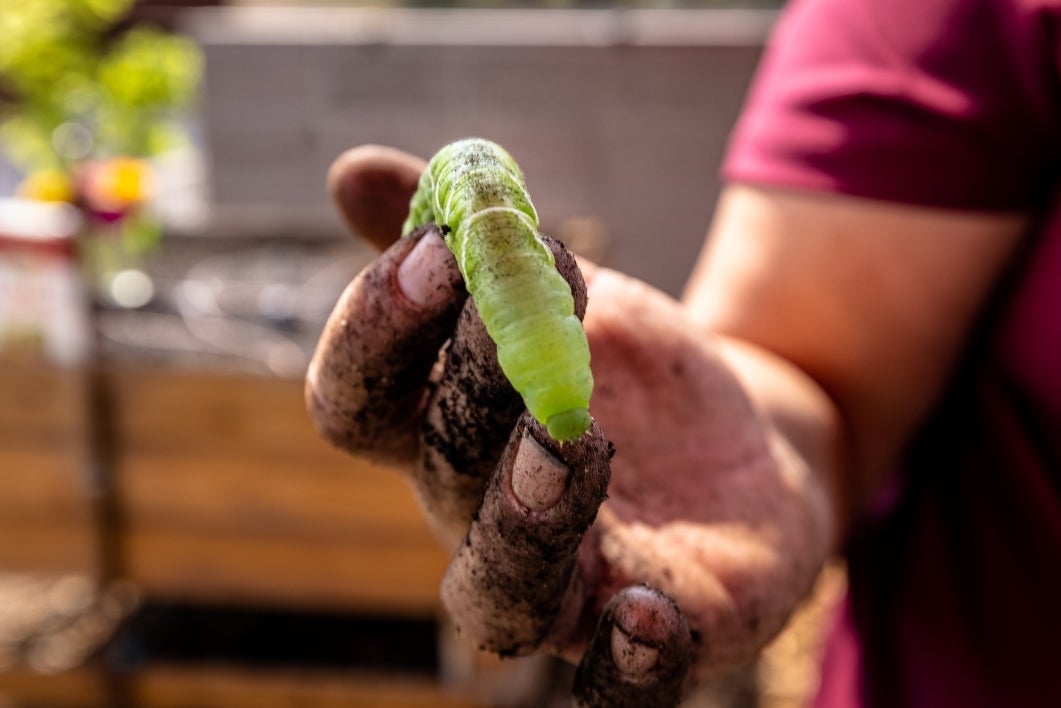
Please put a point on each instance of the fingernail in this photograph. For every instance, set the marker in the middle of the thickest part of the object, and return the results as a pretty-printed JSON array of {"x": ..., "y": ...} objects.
[
  {"x": 631, "y": 656},
  {"x": 428, "y": 273},
  {"x": 538, "y": 478}
]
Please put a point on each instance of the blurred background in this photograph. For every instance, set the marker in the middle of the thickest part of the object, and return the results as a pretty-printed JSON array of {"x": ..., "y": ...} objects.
[{"x": 172, "y": 531}]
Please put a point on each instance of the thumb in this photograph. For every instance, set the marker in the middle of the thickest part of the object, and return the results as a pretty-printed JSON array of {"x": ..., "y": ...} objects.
[{"x": 371, "y": 185}]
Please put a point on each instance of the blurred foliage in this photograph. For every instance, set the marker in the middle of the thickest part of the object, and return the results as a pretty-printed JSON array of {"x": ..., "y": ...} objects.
[
  {"x": 86, "y": 96},
  {"x": 73, "y": 85}
]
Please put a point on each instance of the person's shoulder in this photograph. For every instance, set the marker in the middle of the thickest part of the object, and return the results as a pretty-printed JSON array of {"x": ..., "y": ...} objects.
[{"x": 939, "y": 103}]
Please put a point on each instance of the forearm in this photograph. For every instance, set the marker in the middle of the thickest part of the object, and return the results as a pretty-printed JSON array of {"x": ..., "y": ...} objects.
[{"x": 855, "y": 311}]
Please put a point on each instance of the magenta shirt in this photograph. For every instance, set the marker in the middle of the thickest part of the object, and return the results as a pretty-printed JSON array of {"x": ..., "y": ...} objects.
[{"x": 955, "y": 583}]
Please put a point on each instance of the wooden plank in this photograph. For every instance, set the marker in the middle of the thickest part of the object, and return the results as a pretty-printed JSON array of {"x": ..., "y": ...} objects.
[
  {"x": 227, "y": 491},
  {"x": 176, "y": 686},
  {"x": 388, "y": 576},
  {"x": 250, "y": 471},
  {"x": 169, "y": 411},
  {"x": 40, "y": 398},
  {"x": 42, "y": 442},
  {"x": 48, "y": 544},
  {"x": 226, "y": 687},
  {"x": 79, "y": 688},
  {"x": 40, "y": 482},
  {"x": 259, "y": 495}
]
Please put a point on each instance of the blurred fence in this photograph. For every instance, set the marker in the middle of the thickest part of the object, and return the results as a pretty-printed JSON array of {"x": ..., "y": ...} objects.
[{"x": 619, "y": 118}]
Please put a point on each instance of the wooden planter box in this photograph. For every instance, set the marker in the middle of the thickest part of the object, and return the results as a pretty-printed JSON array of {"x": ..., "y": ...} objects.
[
  {"x": 46, "y": 518},
  {"x": 224, "y": 493},
  {"x": 226, "y": 687},
  {"x": 227, "y": 493}
]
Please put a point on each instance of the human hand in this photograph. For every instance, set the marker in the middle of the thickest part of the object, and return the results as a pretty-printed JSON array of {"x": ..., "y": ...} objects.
[{"x": 706, "y": 508}]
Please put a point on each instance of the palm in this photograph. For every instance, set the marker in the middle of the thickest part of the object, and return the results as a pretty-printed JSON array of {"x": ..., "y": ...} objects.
[{"x": 697, "y": 503}]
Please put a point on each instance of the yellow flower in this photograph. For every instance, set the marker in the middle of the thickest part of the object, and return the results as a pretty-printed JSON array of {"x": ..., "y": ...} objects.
[
  {"x": 47, "y": 186},
  {"x": 124, "y": 180}
]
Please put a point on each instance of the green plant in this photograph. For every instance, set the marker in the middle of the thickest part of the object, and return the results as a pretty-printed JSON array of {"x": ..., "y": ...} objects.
[{"x": 73, "y": 87}]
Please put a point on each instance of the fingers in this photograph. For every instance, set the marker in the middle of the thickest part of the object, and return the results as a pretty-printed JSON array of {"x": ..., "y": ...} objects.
[
  {"x": 365, "y": 386},
  {"x": 466, "y": 426},
  {"x": 512, "y": 585},
  {"x": 372, "y": 185},
  {"x": 640, "y": 654},
  {"x": 470, "y": 417}
]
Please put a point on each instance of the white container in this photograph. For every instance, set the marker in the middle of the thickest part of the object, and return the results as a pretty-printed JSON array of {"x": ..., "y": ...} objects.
[{"x": 44, "y": 312}]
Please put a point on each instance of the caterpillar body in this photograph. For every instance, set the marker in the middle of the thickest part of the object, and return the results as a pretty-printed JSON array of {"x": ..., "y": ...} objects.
[{"x": 474, "y": 191}]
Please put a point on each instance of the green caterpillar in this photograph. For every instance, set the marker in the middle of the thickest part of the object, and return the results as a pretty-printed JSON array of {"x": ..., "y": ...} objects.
[{"x": 476, "y": 194}]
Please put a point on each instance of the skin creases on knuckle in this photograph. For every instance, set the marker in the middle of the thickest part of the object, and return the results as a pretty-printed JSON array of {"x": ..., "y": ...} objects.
[
  {"x": 513, "y": 577},
  {"x": 465, "y": 427},
  {"x": 473, "y": 408}
]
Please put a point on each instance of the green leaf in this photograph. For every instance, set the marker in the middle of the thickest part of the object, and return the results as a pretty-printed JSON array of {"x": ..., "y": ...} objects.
[
  {"x": 58, "y": 64},
  {"x": 140, "y": 234},
  {"x": 148, "y": 68}
]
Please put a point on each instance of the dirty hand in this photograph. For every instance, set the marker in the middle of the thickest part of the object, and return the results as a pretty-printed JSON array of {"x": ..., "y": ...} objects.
[{"x": 704, "y": 507}]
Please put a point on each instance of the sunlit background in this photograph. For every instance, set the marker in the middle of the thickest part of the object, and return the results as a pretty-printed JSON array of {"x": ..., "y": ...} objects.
[{"x": 172, "y": 531}]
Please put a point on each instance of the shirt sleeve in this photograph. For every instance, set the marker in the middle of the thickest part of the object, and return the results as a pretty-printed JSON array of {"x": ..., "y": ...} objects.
[{"x": 944, "y": 103}]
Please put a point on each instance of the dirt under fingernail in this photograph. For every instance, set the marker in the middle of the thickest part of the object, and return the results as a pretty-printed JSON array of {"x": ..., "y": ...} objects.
[
  {"x": 639, "y": 655},
  {"x": 632, "y": 657},
  {"x": 538, "y": 478}
]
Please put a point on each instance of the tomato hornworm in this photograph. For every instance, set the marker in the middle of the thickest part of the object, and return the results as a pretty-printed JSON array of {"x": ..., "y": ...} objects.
[{"x": 474, "y": 191}]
